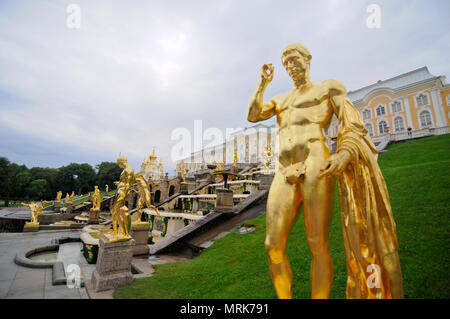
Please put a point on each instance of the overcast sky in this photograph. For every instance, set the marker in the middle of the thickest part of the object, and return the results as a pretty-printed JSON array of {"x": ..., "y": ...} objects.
[{"x": 136, "y": 70}]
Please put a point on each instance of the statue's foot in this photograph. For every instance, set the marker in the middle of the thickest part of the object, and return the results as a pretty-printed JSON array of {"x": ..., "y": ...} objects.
[{"x": 116, "y": 238}]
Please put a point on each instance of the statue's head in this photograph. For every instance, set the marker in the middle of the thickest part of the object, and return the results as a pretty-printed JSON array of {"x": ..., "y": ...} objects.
[
  {"x": 297, "y": 60},
  {"x": 121, "y": 161}
]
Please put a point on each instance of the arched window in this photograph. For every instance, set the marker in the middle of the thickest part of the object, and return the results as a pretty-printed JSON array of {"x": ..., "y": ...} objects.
[
  {"x": 398, "y": 124},
  {"x": 369, "y": 129},
  {"x": 171, "y": 190},
  {"x": 381, "y": 110},
  {"x": 157, "y": 196},
  {"x": 425, "y": 118},
  {"x": 367, "y": 115},
  {"x": 383, "y": 127},
  {"x": 396, "y": 107},
  {"x": 422, "y": 99}
]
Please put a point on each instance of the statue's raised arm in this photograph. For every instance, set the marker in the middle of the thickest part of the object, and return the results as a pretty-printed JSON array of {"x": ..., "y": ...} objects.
[{"x": 257, "y": 110}]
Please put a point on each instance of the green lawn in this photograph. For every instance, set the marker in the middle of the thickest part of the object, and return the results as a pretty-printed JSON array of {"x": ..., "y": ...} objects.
[{"x": 418, "y": 178}]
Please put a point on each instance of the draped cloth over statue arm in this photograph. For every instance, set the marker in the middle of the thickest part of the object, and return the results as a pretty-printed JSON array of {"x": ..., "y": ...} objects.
[{"x": 368, "y": 226}]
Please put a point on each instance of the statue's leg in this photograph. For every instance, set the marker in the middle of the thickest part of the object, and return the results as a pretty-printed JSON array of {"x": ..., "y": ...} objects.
[
  {"x": 282, "y": 206},
  {"x": 318, "y": 196},
  {"x": 139, "y": 211},
  {"x": 114, "y": 219}
]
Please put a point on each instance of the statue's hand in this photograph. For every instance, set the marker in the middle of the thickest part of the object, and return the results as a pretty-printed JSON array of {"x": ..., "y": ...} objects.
[
  {"x": 267, "y": 73},
  {"x": 335, "y": 164}
]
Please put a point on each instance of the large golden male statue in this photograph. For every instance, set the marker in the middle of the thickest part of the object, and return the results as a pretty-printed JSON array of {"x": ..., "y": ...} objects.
[{"x": 305, "y": 176}]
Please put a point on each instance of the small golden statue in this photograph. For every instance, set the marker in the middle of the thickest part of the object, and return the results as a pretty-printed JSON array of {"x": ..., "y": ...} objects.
[
  {"x": 35, "y": 211},
  {"x": 161, "y": 171},
  {"x": 72, "y": 196},
  {"x": 67, "y": 200},
  {"x": 106, "y": 189},
  {"x": 235, "y": 159},
  {"x": 180, "y": 168},
  {"x": 268, "y": 157},
  {"x": 58, "y": 196},
  {"x": 306, "y": 176},
  {"x": 218, "y": 166},
  {"x": 120, "y": 213},
  {"x": 144, "y": 197},
  {"x": 184, "y": 175},
  {"x": 97, "y": 199}
]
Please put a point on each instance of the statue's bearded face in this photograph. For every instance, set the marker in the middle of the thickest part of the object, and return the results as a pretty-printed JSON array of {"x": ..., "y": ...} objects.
[{"x": 295, "y": 64}]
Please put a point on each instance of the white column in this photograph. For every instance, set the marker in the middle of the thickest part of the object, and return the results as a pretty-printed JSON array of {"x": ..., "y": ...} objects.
[
  {"x": 408, "y": 111},
  {"x": 438, "y": 111}
]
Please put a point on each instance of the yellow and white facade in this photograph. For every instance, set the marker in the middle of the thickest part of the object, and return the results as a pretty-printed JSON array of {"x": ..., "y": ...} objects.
[{"x": 410, "y": 105}]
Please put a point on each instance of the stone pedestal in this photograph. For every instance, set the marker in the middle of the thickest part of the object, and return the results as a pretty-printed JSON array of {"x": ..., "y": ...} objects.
[
  {"x": 184, "y": 188},
  {"x": 30, "y": 227},
  {"x": 57, "y": 207},
  {"x": 211, "y": 178},
  {"x": 224, "y": 201},
  {"x": 139, "y": 232},
  {"x": 265, "y": 181},
  {"x": 69, "y": 208},
  {"x": 113, "y": 265},
  {"x": 94, "y": 216}
]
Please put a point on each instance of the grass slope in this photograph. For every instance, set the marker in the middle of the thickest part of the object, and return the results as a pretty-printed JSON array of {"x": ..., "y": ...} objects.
[{"x": 418, "y": 177}]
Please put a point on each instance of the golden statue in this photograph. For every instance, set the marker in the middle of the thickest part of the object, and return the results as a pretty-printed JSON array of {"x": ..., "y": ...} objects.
[
  {"x": 161, "y": 171},
  {"x": 72, "y": 196},
  {"x": 35, "y": 211},
  {"x": 144, "y": 197},
  {"x": 58, "y": 196},
  {"x": 106, "y": 189},
  {"x": 306, "y": 176},
  {"x": 119, "y": 211},
  {"x": 67, "y": 200},
  {"x": 184, "y": 175},
  {"x": 218, "y": 166},
  {"x": 235, "y": 159},
  {"x": 180, "y": 167},
  {"x": 97, "y": 199},
  {"x": 268, "y": 157}
]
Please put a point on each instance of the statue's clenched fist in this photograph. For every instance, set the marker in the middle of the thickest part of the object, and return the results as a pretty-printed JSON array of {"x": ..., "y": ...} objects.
[{"x": 267, "y": 72}]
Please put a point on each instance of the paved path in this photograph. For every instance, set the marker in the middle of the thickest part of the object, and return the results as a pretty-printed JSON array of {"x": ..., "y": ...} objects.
[
  {"x": 15, "y": 213},
  {"x": 29, "y": 283}
]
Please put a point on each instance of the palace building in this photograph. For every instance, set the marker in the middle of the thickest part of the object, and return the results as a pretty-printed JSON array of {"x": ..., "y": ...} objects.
[{"x": 408, "y": 106}]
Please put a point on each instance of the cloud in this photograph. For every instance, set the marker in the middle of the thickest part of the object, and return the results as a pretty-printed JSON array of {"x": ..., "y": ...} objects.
[{"x": 133, "y": 73}]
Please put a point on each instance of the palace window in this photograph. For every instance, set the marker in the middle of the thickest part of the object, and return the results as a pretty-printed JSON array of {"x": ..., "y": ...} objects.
[
  {"x": 425, "y": 118},
  {"x": 367, "y": 115},
  {"x": 383, "y": 127},
  {"x": 369, "y": 129},
  {"x": 381, "y": 110},
  {"x": 398, "y": 124},
  {"x": 396, "y": 107},
  {"x": 422, "y": 99}
]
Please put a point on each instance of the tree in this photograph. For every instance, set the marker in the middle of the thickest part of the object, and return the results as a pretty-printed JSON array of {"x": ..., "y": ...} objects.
[
  {"x": 76, "y": 177},
  {"x": 37, "y": 189},
  {"x": 4, "y": 180},
  {"x": 107, "y": 173},
  {"x": 19, "y": 178}
]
